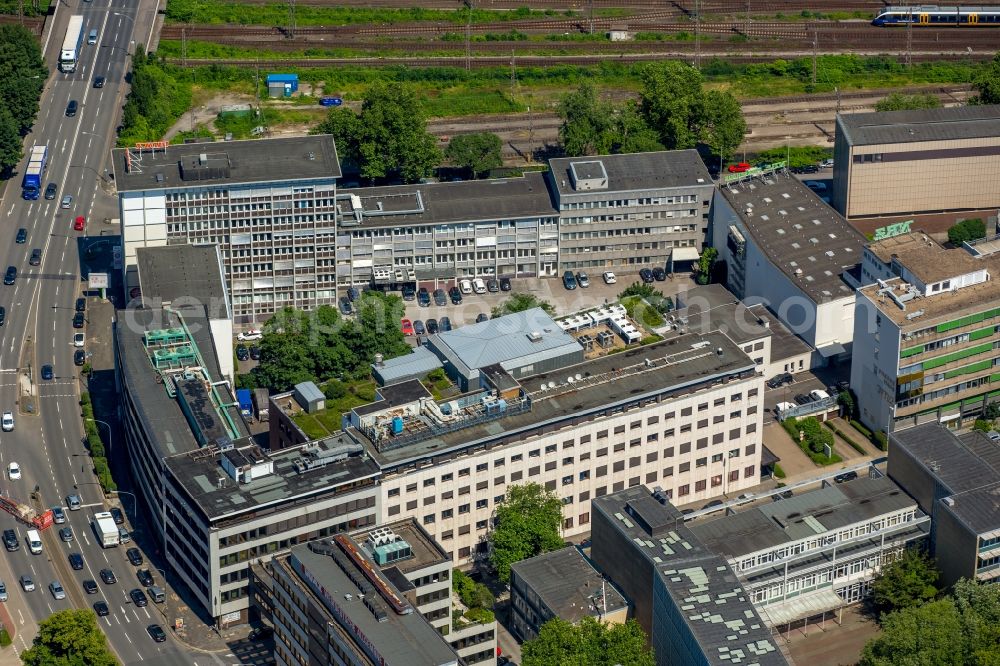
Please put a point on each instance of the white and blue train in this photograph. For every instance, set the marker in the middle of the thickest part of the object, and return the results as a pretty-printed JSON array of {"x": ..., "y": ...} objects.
[{"x": 932, "y": 15}]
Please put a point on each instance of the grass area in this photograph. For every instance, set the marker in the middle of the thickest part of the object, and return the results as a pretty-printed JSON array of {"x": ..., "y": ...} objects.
[
  {"x": 641, "y": 311},
  {"x": 310, "y": 426},
  {"x": 326, "y": 422}
]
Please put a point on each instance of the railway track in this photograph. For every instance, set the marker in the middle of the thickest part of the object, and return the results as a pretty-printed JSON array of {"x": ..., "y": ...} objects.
[
  {"x": 32, "y": 23},
  {"x": 708, "y": 6}
]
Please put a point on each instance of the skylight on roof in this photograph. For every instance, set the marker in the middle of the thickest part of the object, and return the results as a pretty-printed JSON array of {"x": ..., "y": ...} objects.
[
  {"x": 797, "y": 226},
  {"x": 765, "y": 218},
  {"x": 767, "y": 199},
  {"x": 829, "y": 253},
  {"x": 832, "y": 235},
  {"x": 796, "y": 246},
  {"x": 781, "y": 232},
  {"x": 785, "y": 195},
  {"x": 817, "y": 222},
  {"x": 810, "y": 278},
  {"x": 782, "y": 211}
]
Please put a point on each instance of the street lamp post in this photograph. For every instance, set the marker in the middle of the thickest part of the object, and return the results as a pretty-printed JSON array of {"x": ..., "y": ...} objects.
[
  {"x": 111, "y": 443},
  {"x": 135, "y": 502}
]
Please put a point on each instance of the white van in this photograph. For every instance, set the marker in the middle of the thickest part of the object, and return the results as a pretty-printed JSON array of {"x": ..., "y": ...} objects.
[
  {"x": 818, "y": 394},
  {"x": 34, "y": 541}
]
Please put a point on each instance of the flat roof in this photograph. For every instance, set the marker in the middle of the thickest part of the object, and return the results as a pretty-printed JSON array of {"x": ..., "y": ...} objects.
[
  {"x": 709, "y": 596},
  {"x": 518, "y": 339},
  {"x": 632, "y": 172},
  {"x": 183, "y": 273},
  {"x": 968, "y": 466},
  {"x": 524, "y": 196},
  {"x": 943, "y": 124},
  {"x": 931, "y": 310},
  {"x": 418, "y": 362},
  {"x": 927, "y": 259},
  {"x": 569, "y": 585},
  {"x": 825, "y": 509},
  {"x": 283, "y": 160},
  {"x": 400, "y": 639},
  {"x": 805, "y": 238},
  {"x": 164, "y": 422},
  {"x": 208, "y": 485},
  {"x": 679, "y": 365},
  {"x": 426, "y": 551}
]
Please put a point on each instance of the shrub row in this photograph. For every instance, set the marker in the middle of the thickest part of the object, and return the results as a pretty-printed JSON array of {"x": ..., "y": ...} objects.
[
  {"x": 877, "y": 438},
  {"x": 844, "y": 436},
  {"x": 96, "y": 445}
]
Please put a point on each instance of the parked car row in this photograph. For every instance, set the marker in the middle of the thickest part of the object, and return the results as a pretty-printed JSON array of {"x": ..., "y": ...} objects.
[{"x": 432, "y": 326}]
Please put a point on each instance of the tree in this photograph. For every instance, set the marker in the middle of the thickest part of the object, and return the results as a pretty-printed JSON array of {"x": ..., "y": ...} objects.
[
  {"x": 992, "y": 411},
  {"x": 477, "y": 153},
  {"x": 967, "y": 230},
  {"x": 388, "y": 137},
  {"x": 590, "y": 642},
  {"x": 705, "y": 263},
  {"x": 722, "y": 123},
  {"x": 22, "y": 75},
  {"x": 901, "y": 102},
  {"x": 11, "y": 149},
  {"x": 528, "y": 523},
  {"x": 68, "y": 638},
  {"x": 979, "y": 607},
  {"x": 672, "y": 103},
  {"x": 987, "y": 83},
  {"x": 472, "y": 594},
  {"x": 907, "y": 582},
  {"x": 631, "y": 133},
  {"x": 518, "y": 302},
  {"x": 846, "y": 400},
  {"x": 586, "y": 127},
  {"x": 927, "y": 634}
]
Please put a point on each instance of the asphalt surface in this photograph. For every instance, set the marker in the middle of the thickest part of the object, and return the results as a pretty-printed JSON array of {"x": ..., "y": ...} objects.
[{"x": 47, "y": 441}]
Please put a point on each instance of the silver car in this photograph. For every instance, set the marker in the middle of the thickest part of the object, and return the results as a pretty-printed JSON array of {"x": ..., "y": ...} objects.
[
  {"x": 3, "y": 591},
  {"x": 67, "y": 201},
  {"x": 56, "y": 588}
]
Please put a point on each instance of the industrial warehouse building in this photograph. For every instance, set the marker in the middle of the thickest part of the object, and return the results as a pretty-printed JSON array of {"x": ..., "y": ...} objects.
[{"x": 912, "y": 162}]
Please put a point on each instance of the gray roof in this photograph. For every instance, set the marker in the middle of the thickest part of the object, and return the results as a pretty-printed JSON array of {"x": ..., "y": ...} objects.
[
  {"x": 944, "y": 124},
  {"x": 706, "y": 592},
  {"x": 401, "y": 640},
  {"x": 426, "y": 552},
  {"x": 300, "y": 159},
  {"x": 504, "y": 340},
  {"x": 633, "y": 172},
  {"x": 183, "y": 273},
  {"x": 828, "y": 509},
  {"x": 568, "y": 584},
  {"x": 968, "y": 466},
  {"x": 439, "y": 203},
  {"x": 805, "y": 238},
  {"x": 416, "y": 364},
  {"x": 309, "y": 391},
  {"x": 168, "y": 429},
  {"x": 198, "y": 473}
]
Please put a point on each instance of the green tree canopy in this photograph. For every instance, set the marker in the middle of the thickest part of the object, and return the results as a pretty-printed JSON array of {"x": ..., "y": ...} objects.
[
  {"x": 69, "y": 638},
  {"x": 967, "y": 230},
  {"x": 987, "y": 83},
  {"x": 156, "y": 100},
  {"x": 11, "y": 150},
  {"x": 22, "y": 75},
  {"x": 586, "y": 127},
  {"x": 518, "y": 302},
  {"x": 590, "y": 642},
  {"x": 388, "y": 137},
  {"x": 903, "y": 102},
  {"x": 528, "y": 523},
  {"x": 705, "y": 264},
  {"x": 477, "y": 153},
  {"x": 907, "y": 582},
  {"x": 673, "y": 103},
  {"x": 722, "y": 123}
]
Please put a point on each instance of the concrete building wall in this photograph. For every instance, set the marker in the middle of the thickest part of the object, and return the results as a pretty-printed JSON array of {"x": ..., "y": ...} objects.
[
  {"x": 874, "y": 365},
  {"x": 682, "y": 445},
  {"x": 614, "y": 556},
  {"x": 955, "y": 546}
]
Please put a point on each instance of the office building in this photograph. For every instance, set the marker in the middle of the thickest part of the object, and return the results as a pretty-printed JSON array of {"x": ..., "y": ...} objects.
[
  {"x": 913, "y": 162},
  {"x": 331, "y": 604},
  {"x": 926, "y": 332},
  {"x": 956, "y": 479},
  {"x": 687, "y": 599},
  {"x": 628, "y": 212},
  {"x": 563, "y": 584},
  {"x": 786, "y": 249},
  {"x": 270, "y": 206},
  {"x": 421, "y": 569}
]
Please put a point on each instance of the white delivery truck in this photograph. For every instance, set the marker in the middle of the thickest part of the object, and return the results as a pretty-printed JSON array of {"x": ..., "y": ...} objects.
[
  {"x": 34, "y": 541},
  {"x": 105, "y": 529}
]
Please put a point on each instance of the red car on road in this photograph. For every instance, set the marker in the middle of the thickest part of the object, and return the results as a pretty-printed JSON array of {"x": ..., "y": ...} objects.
[
  {"x": 740, "y": 167},
  {"x": 407, "y": 326},
  {"x": 79, "y": 223}
]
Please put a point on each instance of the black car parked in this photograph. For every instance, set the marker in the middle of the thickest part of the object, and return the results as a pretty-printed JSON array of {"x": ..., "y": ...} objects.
[
  {"x": 445, "y": 324},
  {"x": 134, "y": 556},
  {"x": 81, "y": 305},
  {"x": 79, "y": 319},
  {"x": 10, "y": 540},
  {"x": 780, "y": 380},
  {"x": 423, "y": 297},
  {"x": 409, "y": 293},
  {"x": 352, "y": 293},
  {"x": 504, "y": 284},
  {"x": 117, "y": 515},
  {"x": 440, "y": 298},
  {"x": 802, "y": 399},
  {"x": 846, "y": 476},
  {"x": 418, "y": 327},
  {"x": 432, "y": 326},
  {"x": 144, "y": 577},
  {"x": 646, "y": 275},
  {"x": 255, "y": 353},
  {"x": 492, "y": 286},
  {"x": 79, "y": 357},
  {"x": 569, "y": 281},
  {"x": 659, "y": 274},
  {"x": 456, "y": 295},
  {"x": 242, "y": 353},
  {"x": 345, "y": 305},
  {"x": 480, "y": 318}
]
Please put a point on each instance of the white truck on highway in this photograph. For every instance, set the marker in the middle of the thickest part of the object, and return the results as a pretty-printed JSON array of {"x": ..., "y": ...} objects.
[{"x": 105, "y": 529}]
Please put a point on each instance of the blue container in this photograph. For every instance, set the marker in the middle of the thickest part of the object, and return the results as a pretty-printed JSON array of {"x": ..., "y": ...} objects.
[
  {"x": 289, "y": 81},
  {"x": 397, "y": 425},
  {"x": 246, "y": 404}
]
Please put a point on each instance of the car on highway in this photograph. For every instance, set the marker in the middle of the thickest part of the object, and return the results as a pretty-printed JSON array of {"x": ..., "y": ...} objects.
[
  {"x": 66, "y": 534},
  {"x": 79, "y": 357},
  {"x": 456, "y": 295},
  {"x": 609, "y": 277},
  {"x": 505, "y": 284},
  {"x": 66, "y": 202},
  {"x": 423, "y": 297},
  {"x": 440, "y": 298},
  {"x": 659, "y": 274},
  {"x": 406, "y": 326},
  {"x": 445, "y": 324},
  {"x": 58, "y": 515},
  {"x": 646, "y": 275},
  {"x": 99, "y": 81},
  {"x": 7, "y": 421},
  {"x": 156, "y": 633},
  {"x": 249, "y": 336},
  {"x": 27, "y": 584},
  {"x": 10, "y": 540},
  {"x": 138, "y": 597},
  {"x": 76, "y": 561},
  {"x": 10, "y": 277},
  {"x": 79, "y": 224},
  {"x": 582, "y": 279},
  {"x": 14, "y": 471},
  {"x": 71, "y": 108},
  {"x": 56, "y": 588},
  {"x": 432, "y": 326},
  {"x": 255, "y": 353},
  {"x": 79, "y": 339},
  {"x": 47, "y": 373},
  {"x": 90, "y": 586},
  {"x": 22, "y": 236},
  {"x": 134, "y": 556},
  {"x": 144, "y": 577},
  {"x": 117, "y": 515},
  {"x": 74, "y": 502},
  {"x": 50, "y": 191},
  {"x": 846, "y": 476},
  {"x": 242, "y": 353},
  {"x": 101, "y": 608},
  {"x": 345, "y": 306},
  {"x": 478, "y": 286},
  {"x": 493, "y": 285},
  {"x": 569, "y": 281},
  {"x": 108, "y": 576},
  {"x": 418, "y": 327}
]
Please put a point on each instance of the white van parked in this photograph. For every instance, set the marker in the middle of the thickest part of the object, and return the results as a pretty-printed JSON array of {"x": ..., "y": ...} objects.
[{"x": 34, "y": 541}]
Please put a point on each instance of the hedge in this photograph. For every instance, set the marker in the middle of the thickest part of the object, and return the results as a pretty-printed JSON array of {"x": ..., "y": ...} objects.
[
  {"x": 815, "y": 439},
  {"x": 854, "y": 445},
  {"x": 95, "y": 445}
]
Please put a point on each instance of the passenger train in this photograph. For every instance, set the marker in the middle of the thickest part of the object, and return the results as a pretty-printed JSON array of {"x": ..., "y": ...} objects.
[{"x": 932, "y": 15}]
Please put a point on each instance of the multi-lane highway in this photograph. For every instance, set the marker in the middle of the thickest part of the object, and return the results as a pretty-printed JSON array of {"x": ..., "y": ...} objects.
[{"x": 47, "y": 441}]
